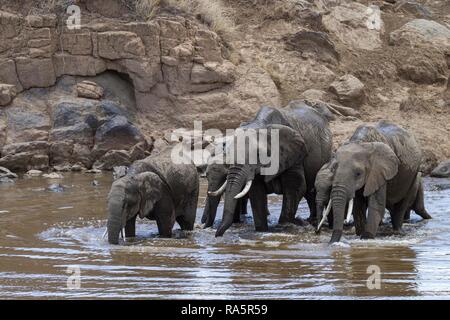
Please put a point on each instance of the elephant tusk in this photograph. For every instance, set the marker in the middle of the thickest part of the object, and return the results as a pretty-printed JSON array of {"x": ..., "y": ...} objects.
[
  {"x": 219, "y": 191},
  {"x": 246, "y": 188},
  {"x": 349, "y": 211},
  {"x": 327, "y": 211},
  {"x": 122, "y": 233},
  {"x": 104, "y": 233}
]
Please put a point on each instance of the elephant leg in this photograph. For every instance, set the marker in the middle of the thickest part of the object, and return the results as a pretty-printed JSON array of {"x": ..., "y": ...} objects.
[
  {"x": 398, "y": 215},
  {"x": 376, "y": 206},
  {"x": 330, "y": 219},
  {"x": 359, "y": 214},
  {"x": 190, "y": 211},
  {"x": 258, "y": 202},
  {"x": 419, "y": 203},
  {"x": 244, "y": 206},
  {"x": 130, "y": 228},
  {"x": 293, "y": 186},
  {"x": 164, "y": 227},
  {"x": 407, "y": 216},
  {"x": 165, "y": 217},
  {"x": 237, "y": 211},
  {"x": 311, "y": 200}
]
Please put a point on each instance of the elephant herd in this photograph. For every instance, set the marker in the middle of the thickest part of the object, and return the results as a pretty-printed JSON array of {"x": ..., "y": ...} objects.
[{"x": 376, "y": 169}]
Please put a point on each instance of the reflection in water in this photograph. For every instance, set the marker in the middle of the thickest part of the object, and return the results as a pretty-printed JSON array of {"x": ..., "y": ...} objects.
[{"x": 43, "y": 233}]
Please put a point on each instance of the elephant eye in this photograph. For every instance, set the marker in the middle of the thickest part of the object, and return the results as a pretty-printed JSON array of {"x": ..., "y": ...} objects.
[{"x": 358, "y": 174}]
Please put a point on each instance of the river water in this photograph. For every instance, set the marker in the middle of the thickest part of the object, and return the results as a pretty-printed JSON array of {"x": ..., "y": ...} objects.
[{"x": 48, "y": 235}]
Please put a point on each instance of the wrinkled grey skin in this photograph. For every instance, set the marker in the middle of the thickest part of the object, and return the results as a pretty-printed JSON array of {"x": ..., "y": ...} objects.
[
  {"x": 379, "y": 168},
  {"x": 324, "y": 180},
  {"x": 157, "y": 189},
  {"x": 442, "y": 170},
  {"x": 305, "y": 145},
  {"x": 216, "y": 174}
]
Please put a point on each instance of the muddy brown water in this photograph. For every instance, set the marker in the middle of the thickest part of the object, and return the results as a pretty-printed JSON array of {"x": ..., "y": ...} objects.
[{"x": 47, "y": 235}]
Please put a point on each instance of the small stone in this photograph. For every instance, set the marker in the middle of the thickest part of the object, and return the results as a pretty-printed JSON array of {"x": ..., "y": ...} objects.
[
  {"x": 6, "y": 180},
  {"x": 53, "y": 175},
  {"x": 94, "y": 171},
  {"x": 34, "y": 173},
  {"x": 89, "y": 89},
  {"x": 61, "y": 168},
  {"x": 76, "y": 168},
  {"x": 7, "y": 93}
]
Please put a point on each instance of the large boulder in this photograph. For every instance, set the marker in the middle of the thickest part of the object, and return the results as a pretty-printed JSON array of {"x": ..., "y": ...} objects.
[
  {"x": 425, "y": 57},
  {"x": 26, "y": 123},
  {"x": 421, "y": 32},
  {"x": 349, "y": 90},
  {"x": 25, "y": 156},
  {"x": 355, "y": 25},
  {"x": 118, "y": 133},
  {"x": 89, "y": 89}
]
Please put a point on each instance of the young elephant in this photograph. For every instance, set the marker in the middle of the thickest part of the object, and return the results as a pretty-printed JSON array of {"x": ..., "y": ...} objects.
[
  {"x": 157, "y": 189},
  {"x": 378, "y": 168}
]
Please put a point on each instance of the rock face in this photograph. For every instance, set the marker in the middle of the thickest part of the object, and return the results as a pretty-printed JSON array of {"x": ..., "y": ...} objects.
[
  {"x": 178, "y": 69},
  {"x": 442, "y": 170},
  {"x": 67, "y": 131},
  {"x": 349, "y": 90}
]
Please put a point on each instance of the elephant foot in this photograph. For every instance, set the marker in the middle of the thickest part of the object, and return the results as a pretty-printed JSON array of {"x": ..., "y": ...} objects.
[
  {"x": 262, "y": 229},
  {"x": 312, "y": 220},
  {"x": 348, "y": 225},
  {"x": 426, "y": 216},
  {"x": 300, "y": 222},
  {"x": 399, "y": 232},
  {"x": 367, "y": 235},
  {"x": 336, "y": 236},
  {"x": 165, "y": 235}
]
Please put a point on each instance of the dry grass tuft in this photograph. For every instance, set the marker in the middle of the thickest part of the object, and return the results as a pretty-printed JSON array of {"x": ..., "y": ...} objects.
[{"x": 212, "y": 12}]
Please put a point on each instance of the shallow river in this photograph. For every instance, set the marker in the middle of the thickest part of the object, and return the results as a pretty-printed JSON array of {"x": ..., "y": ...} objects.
[{"x": 46, "y": 237}]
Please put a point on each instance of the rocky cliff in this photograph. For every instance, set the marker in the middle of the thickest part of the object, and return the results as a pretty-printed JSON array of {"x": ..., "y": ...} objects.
[{"x": 106, "y": 94}]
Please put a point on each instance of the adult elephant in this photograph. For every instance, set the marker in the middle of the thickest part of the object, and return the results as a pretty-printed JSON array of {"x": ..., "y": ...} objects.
[
  {"x": 216, "y": 174},
  {"x": 378, "y": 168},
  {"x": 305, "y": 143},
  {"x": 155, "y": 188},
  {"x": 323, "y": 185}
]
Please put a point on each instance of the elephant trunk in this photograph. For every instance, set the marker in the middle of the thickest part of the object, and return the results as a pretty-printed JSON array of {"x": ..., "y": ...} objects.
[
  {"x": 236, "y": 181},
  {"x": 114, "y": 225},
  {"x": 339, "y": 196},
  {"x": 321, "y": 201},
  {"x": 209, "y": 214},
  {"x": 319, "y": 213}
]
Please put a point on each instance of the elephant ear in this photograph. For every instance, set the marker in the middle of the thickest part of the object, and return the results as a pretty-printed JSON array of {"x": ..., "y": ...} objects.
[
  {"x": 383, "y": 166},
  {"x": 324, "y": 177},
  {"x": 289, "y": 149},
  {"x": 150, "y": 190}
]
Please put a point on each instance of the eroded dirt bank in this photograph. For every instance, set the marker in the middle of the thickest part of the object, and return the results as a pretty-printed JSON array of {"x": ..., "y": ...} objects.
[{"x": 368, "y": 60}]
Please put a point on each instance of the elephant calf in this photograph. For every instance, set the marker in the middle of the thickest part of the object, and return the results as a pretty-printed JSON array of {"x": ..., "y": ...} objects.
[
  {"x": 157, "y": 189},
  {"x": 377, "y": 169}
]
